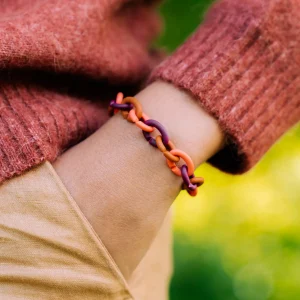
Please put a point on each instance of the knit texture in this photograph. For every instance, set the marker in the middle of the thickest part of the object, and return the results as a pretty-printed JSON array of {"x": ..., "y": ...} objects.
[
  {"x": 61, "y": 61},
  {"x": 242, "y": 66}
]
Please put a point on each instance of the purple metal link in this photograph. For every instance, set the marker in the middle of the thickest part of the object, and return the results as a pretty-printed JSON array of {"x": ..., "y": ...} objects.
[
  {"x": 160, "y": 128},
  {"x": 125, "y": 106},
  {"x": 186, "y": 178}
]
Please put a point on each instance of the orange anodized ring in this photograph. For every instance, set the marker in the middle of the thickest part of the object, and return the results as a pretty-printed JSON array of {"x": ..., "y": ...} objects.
[
  {"x": 160, "y": 145},
  {"x": 186, "y": 159},
  {"x": 195, "y": 180},
  {"x": 119, "y": 100},
  {"x": 132, "y": 117},
  {"x": 193, "y": 193},
  {"x": 137, "y": 107}
]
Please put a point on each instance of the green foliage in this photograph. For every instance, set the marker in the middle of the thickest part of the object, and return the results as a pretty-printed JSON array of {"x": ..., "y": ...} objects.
[
  {"x": 239, "y": 238},
  {"x": 181, "y": 17}
]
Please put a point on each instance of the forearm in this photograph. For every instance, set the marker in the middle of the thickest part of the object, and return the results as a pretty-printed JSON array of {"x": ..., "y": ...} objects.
[{"x": 122, "y": 184}]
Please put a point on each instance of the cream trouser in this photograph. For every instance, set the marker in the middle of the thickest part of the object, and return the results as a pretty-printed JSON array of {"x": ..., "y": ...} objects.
[{"x": 48, "y": 250}]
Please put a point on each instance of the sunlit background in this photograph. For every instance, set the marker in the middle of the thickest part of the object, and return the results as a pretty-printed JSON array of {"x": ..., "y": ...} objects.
[{"x": 240, "y": 237}]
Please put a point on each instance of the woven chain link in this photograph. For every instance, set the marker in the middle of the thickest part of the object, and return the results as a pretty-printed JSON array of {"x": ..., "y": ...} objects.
[{"x": 132, "y": 111}]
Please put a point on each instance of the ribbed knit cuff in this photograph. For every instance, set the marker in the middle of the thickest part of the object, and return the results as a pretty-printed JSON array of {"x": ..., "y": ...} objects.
[
  {"x": 37, "y": 124},
  {"x": 247, "y": 81}
]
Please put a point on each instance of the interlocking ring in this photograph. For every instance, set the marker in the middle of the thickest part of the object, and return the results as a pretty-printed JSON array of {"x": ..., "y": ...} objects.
[
  {"x": 127, "y": 106},
  {"x": 132, "y": 117},
  {"x": 194, "y": 180},
  {"x": 186, "y": 178},
  {"x": 166, "y": 152},
  {"x": 160, "y": 128},
  {"x": 186, "y": 159},
  {"x": 119, "y": 100},
  {"x": 193, "y": 193},
  {"x": 197, "y": 180},
  {"x": 137, "y": 107}
]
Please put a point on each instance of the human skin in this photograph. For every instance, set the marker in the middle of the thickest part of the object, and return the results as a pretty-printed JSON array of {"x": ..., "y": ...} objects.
[{"x": 122, "y": 184}]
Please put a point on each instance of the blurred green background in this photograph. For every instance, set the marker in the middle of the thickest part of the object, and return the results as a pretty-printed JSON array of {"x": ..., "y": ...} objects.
[{"x": 240, "y": 237}]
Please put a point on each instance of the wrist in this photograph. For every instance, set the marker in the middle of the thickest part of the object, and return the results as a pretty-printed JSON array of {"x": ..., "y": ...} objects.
[{"x": 190, "y": 128}]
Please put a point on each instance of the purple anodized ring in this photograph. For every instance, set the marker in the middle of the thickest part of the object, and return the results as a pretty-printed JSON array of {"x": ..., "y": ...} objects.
[
  {"x": 186, "y": 178},
  {"x": 160, "y": 128},
  {"x": 125, "y": 106}
]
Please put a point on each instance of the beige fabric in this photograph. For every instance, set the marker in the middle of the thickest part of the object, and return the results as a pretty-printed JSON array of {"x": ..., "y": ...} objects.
[
  {"x": 48, "y": 250},
  {"x": 150, "y": 281}
]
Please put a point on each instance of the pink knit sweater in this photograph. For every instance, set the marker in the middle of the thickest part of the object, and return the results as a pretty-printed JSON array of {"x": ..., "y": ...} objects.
[{"x": 62, "y": 61}]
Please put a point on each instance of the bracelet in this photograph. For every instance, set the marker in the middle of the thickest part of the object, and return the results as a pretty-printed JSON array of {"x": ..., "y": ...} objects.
[{"x": 131, "y": 110}]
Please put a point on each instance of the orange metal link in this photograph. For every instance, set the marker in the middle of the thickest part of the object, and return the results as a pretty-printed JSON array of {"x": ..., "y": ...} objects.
[
  {"x": 169, "y": 156},
  {"x": 132, "y": 117},
  {"x": 119, "y": 100},
  {"x": 137, "y": 106},
  {"x": 187, "y": 160},
  {"x": 160, "y": 145},
  {"x": 193, "y": 193},
  {"x": 197, "y": 180}
]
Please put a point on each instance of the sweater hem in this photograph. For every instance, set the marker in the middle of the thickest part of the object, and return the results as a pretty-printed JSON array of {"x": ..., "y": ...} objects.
[{"x": 233, "y": 76}]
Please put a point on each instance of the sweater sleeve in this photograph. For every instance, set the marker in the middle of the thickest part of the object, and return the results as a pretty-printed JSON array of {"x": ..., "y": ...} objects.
[{"x": 242, "y": 66}]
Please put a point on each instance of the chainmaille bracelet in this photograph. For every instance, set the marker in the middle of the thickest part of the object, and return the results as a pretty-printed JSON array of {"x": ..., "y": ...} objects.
[{"x": 131, "y": 110}]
